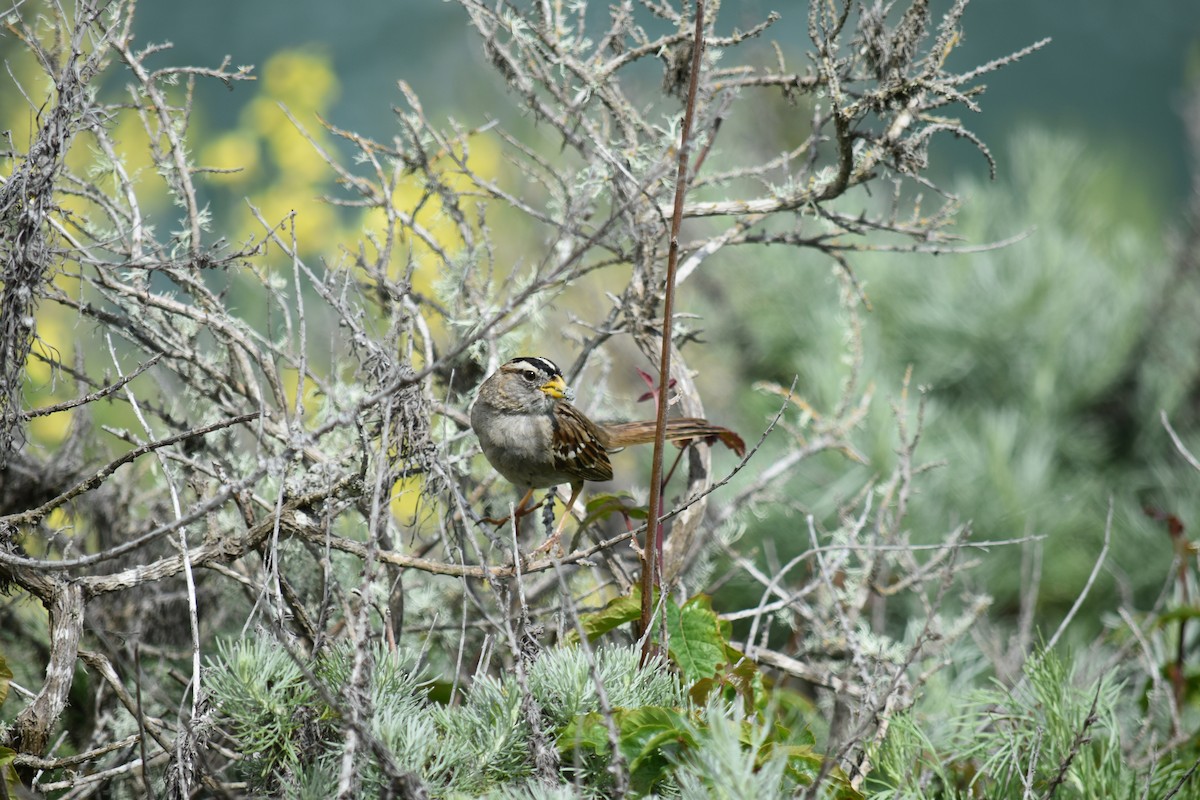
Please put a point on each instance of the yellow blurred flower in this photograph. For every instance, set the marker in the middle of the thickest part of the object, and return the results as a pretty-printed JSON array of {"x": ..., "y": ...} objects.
[
  {"x": 237, "y": 150},
  {"x": 297, "y": 160},
  {"x": 308, "y": 399},
  {"x": 301, "y": 80},
  {"x": 406, "y": 500},
  {"x": 53, "y": 342},
  {"x": 50, "y": 430},
  {"x": 316, "y": 221}
]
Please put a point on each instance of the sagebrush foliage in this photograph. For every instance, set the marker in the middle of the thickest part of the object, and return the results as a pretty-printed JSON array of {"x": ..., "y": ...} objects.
[
  {"x": 1058, "y": 732},
  {"x": 288, "y": 730}
]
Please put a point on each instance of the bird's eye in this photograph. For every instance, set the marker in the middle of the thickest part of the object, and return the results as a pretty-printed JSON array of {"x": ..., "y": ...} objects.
[{"x": 529, "y": 375}]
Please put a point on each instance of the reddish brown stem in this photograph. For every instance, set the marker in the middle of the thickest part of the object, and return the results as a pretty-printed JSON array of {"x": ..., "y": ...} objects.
[{"x": 651, "y": 570}]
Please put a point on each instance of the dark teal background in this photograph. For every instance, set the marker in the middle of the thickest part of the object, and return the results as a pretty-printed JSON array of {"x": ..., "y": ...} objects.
[{"x": 1115, "y": 72}]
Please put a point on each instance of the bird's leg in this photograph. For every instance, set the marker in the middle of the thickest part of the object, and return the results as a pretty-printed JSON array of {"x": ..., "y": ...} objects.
[
  {"x": 518, "y": 511},
  {"x": 555, "y": 537}
]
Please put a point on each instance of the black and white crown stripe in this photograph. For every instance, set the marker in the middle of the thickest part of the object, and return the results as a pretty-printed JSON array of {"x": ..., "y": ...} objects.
[{"x": 537, "y": 362}]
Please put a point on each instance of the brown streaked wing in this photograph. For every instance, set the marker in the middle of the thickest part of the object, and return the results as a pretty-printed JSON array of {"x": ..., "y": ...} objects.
[{"x": 580, "y": 452}]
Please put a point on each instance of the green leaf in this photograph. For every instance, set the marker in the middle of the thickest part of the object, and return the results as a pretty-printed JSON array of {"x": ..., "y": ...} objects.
[
  {"x": 8, "y": 775},
  {"x": 696, "y": 646},
  {"x": 1181, "y": 614},
  {"x": 803, "y": 763},
  {"x": 742, "y": 679},
  {"x": 843, "y": 789},
  {"x": 440, "y": 692},
  {"x": 652, "y": 738},
  {"x": 586, "y": 734},
  {"x": 619, "y": 611},
  {"x": 5, "y": 679},
  {"x": 739, "y": 678},
  {"x": 603, "y": 506}
]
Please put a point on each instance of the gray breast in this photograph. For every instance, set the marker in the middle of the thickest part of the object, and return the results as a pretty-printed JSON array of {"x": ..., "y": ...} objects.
[{"x": 515, "y": 444}]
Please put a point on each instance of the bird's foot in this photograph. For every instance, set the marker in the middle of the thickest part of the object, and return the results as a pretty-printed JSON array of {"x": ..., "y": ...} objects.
[
  {"x": 554, "y": 542},
  {"x": 520, "y": 512}
]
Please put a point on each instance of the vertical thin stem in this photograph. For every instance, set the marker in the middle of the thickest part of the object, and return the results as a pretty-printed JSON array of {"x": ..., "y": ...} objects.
[{"x": 651, "y": 571}]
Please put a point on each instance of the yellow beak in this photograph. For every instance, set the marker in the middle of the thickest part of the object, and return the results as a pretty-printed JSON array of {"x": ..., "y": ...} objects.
[{"x": 556, "y": 387}]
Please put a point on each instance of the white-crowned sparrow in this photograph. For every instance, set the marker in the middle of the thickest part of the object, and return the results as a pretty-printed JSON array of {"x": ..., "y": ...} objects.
[{"x": 536, "y": 439}]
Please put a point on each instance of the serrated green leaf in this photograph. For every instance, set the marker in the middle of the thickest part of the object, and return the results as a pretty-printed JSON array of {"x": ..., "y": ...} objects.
[
  {"x": 619, "y": 611},
  {"x": 696, "y": 646},
  {"x": 746, "y": 679},
  {"x": 740, "y": 678}
]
